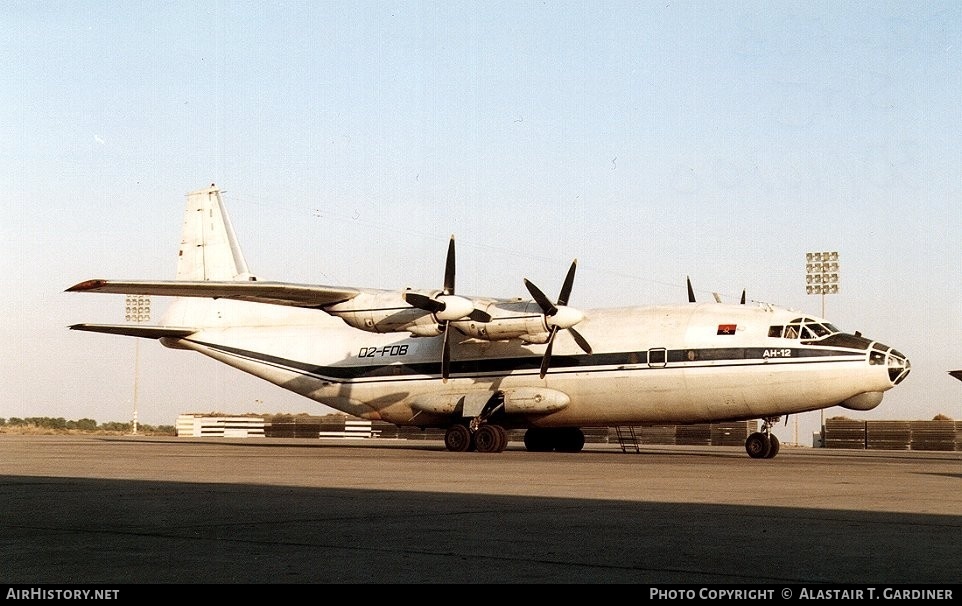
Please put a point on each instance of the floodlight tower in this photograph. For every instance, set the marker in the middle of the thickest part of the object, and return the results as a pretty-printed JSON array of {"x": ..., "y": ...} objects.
[
  {"x": 821, "y": 274},
  {"x": 821, "y": 278},
  {"x": 137, "y": 310}
]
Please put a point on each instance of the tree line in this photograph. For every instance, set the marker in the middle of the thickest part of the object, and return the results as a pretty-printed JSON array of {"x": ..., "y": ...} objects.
[{"x": 81, "y": 425}]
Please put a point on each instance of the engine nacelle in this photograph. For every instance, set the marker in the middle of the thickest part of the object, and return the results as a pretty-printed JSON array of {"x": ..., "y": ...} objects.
[
  {"x": 385, "y": 312},
  {"x": 522, "y": 320}
]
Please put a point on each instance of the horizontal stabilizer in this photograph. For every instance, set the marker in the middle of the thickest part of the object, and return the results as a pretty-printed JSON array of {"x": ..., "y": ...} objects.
[
  {"x": 131, "y": 330},
  {"x": 274, "y": 293}
]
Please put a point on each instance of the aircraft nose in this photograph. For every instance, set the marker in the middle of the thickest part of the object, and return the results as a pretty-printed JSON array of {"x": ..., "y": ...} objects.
[{"x": 899, "y": 366}]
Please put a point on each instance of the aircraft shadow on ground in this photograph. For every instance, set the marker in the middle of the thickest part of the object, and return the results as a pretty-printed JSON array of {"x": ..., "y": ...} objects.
[{"x": 95, "y": 531}]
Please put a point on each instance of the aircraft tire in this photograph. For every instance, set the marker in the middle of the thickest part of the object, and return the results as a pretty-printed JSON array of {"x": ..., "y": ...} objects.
[
  {"x": 490, "y": 438},
  {"x": 458, "y": 438},
  {"x": 502, "y": 437},
  {"x": 569, "y": 439},
  {"x": 774, "y": 449},
  {"x": 758, "y": 445},
  {"x": 538, "y": 440}
]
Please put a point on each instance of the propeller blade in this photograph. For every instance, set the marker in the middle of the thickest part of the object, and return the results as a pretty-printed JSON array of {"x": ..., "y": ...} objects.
[
  {"x": 691, "y": 293},
  {"x": 449, "y": 269},
  {"x": 743, "y": 299},
  {"x": 581, "y": 341},
  {"x": 544, "y": 302},
  {"x": 569, "y": 281},
  {"x": 479, "y": 316},
  {"x": 546, "y": 360},
  {"x": 424, "y": 302},
  {"x": 445, "y": 354}
]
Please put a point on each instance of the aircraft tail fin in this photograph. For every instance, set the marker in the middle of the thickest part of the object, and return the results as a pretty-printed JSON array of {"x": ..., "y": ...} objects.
[{"x": 208, "y": 247}]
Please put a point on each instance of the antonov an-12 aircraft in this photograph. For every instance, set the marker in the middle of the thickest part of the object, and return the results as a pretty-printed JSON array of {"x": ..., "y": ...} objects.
[{"x": 478, "y": 366}]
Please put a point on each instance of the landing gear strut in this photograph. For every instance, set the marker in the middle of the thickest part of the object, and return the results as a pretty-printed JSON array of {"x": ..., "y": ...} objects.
[{"x": 762, "y": 444}]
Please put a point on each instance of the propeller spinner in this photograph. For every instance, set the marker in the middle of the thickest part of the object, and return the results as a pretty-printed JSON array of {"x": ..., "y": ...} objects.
[
  {"x": 558, "y": 316},
  {"x": 446, "y": 308}
]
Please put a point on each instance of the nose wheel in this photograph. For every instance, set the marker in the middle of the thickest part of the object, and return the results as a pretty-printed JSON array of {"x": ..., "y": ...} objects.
[{"x": 762, "y": 444}]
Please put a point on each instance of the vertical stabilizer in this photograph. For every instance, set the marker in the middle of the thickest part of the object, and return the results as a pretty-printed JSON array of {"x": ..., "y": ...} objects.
[{"x": 208, "y": 247}]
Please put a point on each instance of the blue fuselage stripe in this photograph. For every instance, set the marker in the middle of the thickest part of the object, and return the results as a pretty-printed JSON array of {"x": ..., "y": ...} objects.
[{"x": 593, "y": 363}]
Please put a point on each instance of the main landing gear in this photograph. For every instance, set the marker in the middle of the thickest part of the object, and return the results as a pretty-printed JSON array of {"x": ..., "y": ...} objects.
[
  {"x": 489, "y": 437},
  {"x": 479, "y": 434},
  {"x": 486, "y": 438},
  {"x": 762, "y": 444}
]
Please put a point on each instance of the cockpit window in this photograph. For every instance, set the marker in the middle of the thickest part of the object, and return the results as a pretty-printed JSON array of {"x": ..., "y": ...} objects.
[{"x": 803, "y": 328}]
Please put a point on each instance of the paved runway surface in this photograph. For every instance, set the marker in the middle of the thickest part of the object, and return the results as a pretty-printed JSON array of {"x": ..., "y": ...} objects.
[{"x": 109, "y": 510}]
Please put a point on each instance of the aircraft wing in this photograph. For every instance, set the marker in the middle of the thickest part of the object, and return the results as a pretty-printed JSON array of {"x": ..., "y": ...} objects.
[
  {"x": 957, "y": 374},
  {"x": 130, "y": 330},
  {"x": 275, "y": 293}
]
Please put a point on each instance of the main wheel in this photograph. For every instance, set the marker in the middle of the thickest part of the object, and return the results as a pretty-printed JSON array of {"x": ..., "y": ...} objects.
[
  {"x": 758, "y": 445},
  {"x": 457, "y": 438},
  {"x": 538, "y": 440},
  {"x": 569, "y": 439},
  {"x": 774, "y": 449},
  {"x": 490, "y": 438}
]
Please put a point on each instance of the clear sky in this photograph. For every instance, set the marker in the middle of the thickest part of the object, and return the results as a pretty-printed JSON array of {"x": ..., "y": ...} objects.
[{"x": 650, "y": 140}]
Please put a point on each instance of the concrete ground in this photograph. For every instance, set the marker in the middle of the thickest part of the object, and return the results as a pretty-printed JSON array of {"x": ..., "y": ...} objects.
[{"x": 82, "y": 510}]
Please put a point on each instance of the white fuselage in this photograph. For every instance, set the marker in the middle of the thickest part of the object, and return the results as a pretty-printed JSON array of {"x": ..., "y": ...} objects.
[{"x": 661, "y": 364}]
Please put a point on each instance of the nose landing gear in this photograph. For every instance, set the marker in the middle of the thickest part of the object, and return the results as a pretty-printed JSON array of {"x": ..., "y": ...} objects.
[{"x": 762, "y": 444}]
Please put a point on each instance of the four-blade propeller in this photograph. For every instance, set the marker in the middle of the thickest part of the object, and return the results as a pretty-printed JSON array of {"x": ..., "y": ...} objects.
[
  {"x": 558, "y": 316},
  {"x": 447, "y": 307}
]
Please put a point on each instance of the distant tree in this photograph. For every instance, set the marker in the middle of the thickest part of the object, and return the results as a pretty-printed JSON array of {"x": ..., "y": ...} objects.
[
  {"x": 86, "y": 424},
  {"x": 115, "y": 426},
  {"x": 942, "y": 417},
  {"x": 2, "y": 421},
  {"x": 16, "y": 421},
  {"x": 52, "y": 423}
]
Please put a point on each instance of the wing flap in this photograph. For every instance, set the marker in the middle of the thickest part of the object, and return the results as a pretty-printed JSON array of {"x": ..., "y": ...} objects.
[{"x": 274, "y": 293}]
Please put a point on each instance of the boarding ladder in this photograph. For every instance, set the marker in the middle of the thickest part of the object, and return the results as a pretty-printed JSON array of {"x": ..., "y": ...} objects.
[{"x": 627, "y": 438}]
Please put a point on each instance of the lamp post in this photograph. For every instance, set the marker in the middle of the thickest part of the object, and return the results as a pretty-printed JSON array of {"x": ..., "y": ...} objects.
[
  {"x": 137, "y": 310},
  {"x": 821, "y": 278}
]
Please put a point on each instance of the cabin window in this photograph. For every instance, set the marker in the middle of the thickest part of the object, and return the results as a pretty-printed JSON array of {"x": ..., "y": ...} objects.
[{"x": 775, "y": 331}]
